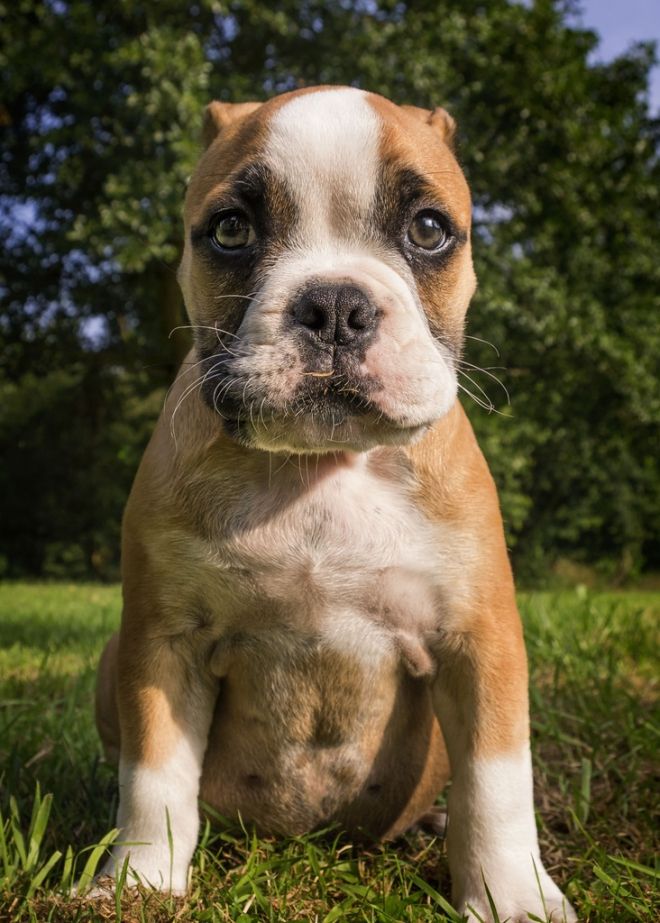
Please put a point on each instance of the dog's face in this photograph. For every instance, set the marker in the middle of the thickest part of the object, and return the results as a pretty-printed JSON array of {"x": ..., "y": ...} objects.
[{"x": 327, "y": 270}]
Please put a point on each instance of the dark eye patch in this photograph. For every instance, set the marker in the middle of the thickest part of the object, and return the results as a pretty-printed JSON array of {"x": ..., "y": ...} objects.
[
  {"x": 233, "y": 277},
  {"x": 402, "y": 192},
  {"x": 261, "y": 195}
]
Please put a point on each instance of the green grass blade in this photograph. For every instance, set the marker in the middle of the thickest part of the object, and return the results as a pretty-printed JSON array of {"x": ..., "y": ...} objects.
[
  {"x": 95, "y": 856},
  {"x": 616, "y": 889},
  {"x": 120, "y": 884},
  {"x": 491, "y": 902},
  {"x": 37, "y": 879},
  {"x": 67, "y": 869},
  {"x": 584, "y": 801},
  {"x": 636, "y": 866},
  {"x": 16, "y": 834},
  {"x": 170, "y": 844},
  {"x": 38, "y": 824},
  {"x": 7, "y": 864},
  {"x": 436, "y": 897}
]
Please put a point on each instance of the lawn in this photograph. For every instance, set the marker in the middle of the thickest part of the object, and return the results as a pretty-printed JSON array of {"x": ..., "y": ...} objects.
[{"x": 595, "y": 739}]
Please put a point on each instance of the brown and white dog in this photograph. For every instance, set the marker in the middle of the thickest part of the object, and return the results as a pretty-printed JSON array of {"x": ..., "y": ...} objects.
[{"x": 315, "y": 574}]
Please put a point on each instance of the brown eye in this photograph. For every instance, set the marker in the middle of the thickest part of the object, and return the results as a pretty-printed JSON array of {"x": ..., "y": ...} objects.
[
  {"x": 233, "y": 231},
  {"x": 428, "y": 230}
]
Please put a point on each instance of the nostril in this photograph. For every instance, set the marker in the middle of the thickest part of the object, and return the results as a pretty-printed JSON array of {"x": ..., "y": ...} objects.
[
  {"x": 357, "y": 319},
  {"x": 356, "y": 314},
  {"x": 312, "y": 316}
]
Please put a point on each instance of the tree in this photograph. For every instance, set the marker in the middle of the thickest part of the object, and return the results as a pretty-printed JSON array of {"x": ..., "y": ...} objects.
[{"x": 562, "y": 158}]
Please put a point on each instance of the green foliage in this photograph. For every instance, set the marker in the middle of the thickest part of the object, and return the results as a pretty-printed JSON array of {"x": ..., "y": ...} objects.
[
  {"x": 593, "y": 666},
  {"x": 76, "y": 435},
  {"x": 160, "y": 76},
  {"x": 561, "y": 155}
]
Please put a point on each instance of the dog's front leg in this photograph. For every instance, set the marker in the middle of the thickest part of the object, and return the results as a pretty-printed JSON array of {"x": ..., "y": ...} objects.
[
  {"x": 166, "y": 698},
  {"x": 480, "y": 696}
]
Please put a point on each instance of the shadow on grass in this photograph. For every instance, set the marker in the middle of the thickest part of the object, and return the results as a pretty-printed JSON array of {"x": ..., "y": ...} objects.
[{"x": 48, "y": 738}]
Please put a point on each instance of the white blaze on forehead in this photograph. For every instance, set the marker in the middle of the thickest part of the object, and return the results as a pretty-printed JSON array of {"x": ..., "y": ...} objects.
[{"x": 325, "y": 145}]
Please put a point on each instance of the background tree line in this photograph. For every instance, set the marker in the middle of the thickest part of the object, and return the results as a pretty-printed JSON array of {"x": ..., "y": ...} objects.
[{"x": 100, "y": 115}]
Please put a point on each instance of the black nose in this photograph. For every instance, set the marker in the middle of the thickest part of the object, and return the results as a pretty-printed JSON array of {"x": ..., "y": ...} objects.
[{"x": 341, "y": 314}]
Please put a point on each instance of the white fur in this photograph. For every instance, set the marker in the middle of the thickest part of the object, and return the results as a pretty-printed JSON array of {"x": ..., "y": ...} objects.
[
  {"x": 332, "y": 546},
  {"x": 492, "y": 836},
  {"x": 323, "y": 547},
  {"x": 326, "y": 144},
  {"x": 419, "y": 382},
  {"x": 150, "y": 798}
]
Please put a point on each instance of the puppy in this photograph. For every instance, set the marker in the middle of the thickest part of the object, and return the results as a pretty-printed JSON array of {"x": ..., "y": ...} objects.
[{"x": 314, "y": 569}]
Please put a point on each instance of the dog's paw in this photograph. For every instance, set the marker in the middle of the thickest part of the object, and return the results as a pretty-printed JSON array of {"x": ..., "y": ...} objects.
[
  {"x": 103, "y": 889},
  {"x": 516, "y": 901},
  {"x": 433, "y": 821},
  {"x": 100, "y": 888},
  {"x": 146, "y": 869},
  {"x": 479, "y": 911}
]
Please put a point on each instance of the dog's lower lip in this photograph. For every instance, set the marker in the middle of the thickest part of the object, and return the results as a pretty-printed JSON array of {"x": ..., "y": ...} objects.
[{"x": 384, "y": 422}]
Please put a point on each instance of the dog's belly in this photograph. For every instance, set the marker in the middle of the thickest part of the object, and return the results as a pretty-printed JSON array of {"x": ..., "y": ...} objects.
[
  {"x": 306, "y": 734},
  {"x": 324, "y": 711}
]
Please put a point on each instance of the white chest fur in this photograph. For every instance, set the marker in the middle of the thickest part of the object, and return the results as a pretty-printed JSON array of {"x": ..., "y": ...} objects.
[{"x": 345, "y": 556}]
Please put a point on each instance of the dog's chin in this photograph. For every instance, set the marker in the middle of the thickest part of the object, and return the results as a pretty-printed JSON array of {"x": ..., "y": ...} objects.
[{"x": 310, "y": 435}]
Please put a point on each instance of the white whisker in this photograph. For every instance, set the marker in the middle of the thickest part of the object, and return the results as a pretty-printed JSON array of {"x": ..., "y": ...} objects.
[
  {"x": 198, "y": 383},
  {"x": 486, "y": 342},
  {"x": 478, "y": 387},
  {"x": 478, "y": 368}
]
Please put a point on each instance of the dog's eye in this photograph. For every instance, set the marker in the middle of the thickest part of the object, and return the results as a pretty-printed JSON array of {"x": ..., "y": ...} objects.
[
  {"x": 428, "y": 230},
  {"x": 232, "y": 231}
]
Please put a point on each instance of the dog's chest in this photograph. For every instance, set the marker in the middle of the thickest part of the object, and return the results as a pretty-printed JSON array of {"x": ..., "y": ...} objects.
[{"x": 349, "y": 558}]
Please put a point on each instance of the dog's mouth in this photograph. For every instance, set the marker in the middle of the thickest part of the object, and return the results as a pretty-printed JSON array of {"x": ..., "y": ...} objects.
[
  {"x": 335, "y": 397},
  {"x": 327, "y": 401},
  {"x": 325, "y": 413}
]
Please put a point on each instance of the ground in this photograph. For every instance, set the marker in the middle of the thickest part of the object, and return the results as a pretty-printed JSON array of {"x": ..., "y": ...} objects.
[{"x": 595, "y": 747}]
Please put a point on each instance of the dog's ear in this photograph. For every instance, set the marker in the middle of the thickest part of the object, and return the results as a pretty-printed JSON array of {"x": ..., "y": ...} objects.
[
  {"x": 437, "y": 118},
  {"x": 218, "y": 115}
]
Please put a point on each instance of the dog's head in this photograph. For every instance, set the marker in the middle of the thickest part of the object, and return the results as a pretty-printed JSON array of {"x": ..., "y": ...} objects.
[{"x": 327, "y": 269}]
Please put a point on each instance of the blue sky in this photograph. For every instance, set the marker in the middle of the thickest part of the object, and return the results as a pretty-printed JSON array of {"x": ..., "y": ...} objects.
[{"x": 620, "y": 23}]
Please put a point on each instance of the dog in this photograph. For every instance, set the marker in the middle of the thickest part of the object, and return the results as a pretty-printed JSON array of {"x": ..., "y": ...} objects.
[{"x": 319, "y": 614}]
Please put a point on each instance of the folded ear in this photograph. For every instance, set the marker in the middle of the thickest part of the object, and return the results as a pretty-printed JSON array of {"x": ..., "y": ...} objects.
[
  {"x": 438, "y": 118},
  {"x": 218, "y": 115}
]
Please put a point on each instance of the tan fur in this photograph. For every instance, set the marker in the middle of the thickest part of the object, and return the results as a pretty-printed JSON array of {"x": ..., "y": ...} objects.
[
  {"x": 219, "y": 116},
  {"x": 172, "y": 491},
  {"x": 308, "y": 620},
  {"x": 455, "y": 485},
  {"x": 399, "y": 792},
  {"x": 439, "y": 118}
]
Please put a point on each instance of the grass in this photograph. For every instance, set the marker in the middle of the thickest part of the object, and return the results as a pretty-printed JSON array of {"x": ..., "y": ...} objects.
[{"x": 595, "y": 746}]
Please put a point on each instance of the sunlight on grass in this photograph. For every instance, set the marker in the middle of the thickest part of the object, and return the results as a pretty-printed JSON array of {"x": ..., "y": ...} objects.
[{"x": 593, "y": 669}]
